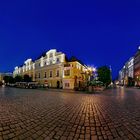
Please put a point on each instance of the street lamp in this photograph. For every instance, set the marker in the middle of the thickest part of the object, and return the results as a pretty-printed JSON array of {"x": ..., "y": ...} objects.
[{"x": 91, "y": 71}]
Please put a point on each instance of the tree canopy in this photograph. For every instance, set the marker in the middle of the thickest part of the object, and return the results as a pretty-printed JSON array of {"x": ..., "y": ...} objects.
[
  {"x": 27, "y": 78},
  {"x": 104, "y": 75},
  {"x": 18, "y": 78},
  {"x": 8, "y": 79}
]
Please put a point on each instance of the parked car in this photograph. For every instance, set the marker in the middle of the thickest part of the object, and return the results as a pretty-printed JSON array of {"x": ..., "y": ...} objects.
[
  {"x": 26, "y": 85},
  {"x": 46, "y": 85},
  {"x": 32, "y": 85}
]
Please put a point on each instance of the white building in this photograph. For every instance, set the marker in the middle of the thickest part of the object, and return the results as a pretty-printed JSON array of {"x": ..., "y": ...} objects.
[
  {"x": 131, "y": 67},
  {"x": 127, "y": 71}
]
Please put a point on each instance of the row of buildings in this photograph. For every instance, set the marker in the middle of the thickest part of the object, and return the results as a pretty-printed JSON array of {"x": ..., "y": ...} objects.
[
  {"x": 53, "y": 68},
  {"x": 131, "y": 69}
]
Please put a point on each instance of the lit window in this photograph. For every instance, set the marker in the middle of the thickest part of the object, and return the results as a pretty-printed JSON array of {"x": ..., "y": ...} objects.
[
  {"x": 57, "y": 60},
  {"x": 50, "y": 73},
  {"x": 50, "y": 62},
  {"x": 45, "y": 76},
  {"x": 57, "y": 73},
  {"x": 67, "y": 85},
  {"x": 67, "y": 72},
  {"x": 51, "y": 55}
]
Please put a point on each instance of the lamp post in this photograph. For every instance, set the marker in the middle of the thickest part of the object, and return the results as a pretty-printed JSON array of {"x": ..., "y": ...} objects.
[{"x": 90, "y": 72}]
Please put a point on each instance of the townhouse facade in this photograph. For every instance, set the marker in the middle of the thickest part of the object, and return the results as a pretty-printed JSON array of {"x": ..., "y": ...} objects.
[
  {"x": 131, "y": 69},
  {"x": 127, "y": 72},
  {"x": 27, "y": 69},
  {"x": 53, "y": 69},
  {"x": 137, "y": 68}
]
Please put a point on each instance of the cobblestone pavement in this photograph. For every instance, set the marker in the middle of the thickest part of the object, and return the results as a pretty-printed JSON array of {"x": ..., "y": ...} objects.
[{"x": 43, "y": 115}]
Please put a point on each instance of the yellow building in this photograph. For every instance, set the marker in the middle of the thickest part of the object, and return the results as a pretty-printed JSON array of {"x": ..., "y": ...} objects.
[
  {"x": 74, "y": 75},
  {"x": 53, "y": 69}
]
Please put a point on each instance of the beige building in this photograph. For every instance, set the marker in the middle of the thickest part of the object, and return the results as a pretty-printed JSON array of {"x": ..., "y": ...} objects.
[
  {"x": 49, "y": 69},
  {"x": 53, "y": 69},
  {"x": 27, "y": 69}
]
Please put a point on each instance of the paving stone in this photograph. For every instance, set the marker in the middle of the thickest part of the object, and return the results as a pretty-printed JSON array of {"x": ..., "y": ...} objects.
[{"x": 37, "y": 114}]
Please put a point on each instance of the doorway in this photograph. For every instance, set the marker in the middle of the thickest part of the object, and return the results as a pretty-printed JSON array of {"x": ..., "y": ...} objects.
[{"x": 58, "y": 84}]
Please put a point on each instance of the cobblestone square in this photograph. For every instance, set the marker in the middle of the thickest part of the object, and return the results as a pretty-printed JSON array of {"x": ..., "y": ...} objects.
[{"x": 49, "y": 114}]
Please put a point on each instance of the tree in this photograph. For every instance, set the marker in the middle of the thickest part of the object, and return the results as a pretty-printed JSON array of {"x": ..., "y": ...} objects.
[
  {"x": 131, "y": 82},
  {"x": 104, "y": 75},
  {"x": 27, "y": 78},
  {"x": 8, "y": 79},
  {"x": 11, "y": 80},
  {"x": 18, "y": 78}
]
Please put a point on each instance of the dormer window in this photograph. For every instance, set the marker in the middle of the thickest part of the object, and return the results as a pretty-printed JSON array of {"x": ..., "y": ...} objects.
[
  {"x": 51, "y": 55},
  {"x": 57, "y": 60}
]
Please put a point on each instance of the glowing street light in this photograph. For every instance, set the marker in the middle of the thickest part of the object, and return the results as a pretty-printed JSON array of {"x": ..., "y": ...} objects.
[{"x": 90, "y": 71}]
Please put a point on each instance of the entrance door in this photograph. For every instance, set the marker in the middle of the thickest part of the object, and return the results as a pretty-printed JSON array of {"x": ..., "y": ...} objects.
[{"x": 58, "y": 84}]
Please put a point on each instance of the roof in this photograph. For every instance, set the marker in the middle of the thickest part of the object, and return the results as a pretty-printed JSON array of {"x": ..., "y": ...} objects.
[{"x": 73, "y": 59}]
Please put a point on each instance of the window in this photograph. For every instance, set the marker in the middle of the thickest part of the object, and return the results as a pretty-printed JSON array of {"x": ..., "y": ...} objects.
[
  {"x": 66, "y": 65},
  {"x": 45, "y": 75},
  {"x": 51, "y": 55},
  {"x": 39, "y": 75},
  {"x": 57, "y": 60},
  {"x": 50, "y": 73},
  {"x": 50, "y": 62},
  {"x": 67, "y": 72},
  {"x": 57, "y": 73},
  {"x": 67, "y": 85}
]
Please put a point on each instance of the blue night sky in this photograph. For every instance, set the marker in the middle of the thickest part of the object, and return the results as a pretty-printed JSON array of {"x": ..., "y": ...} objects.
[{"x": 99, "y": 32}]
